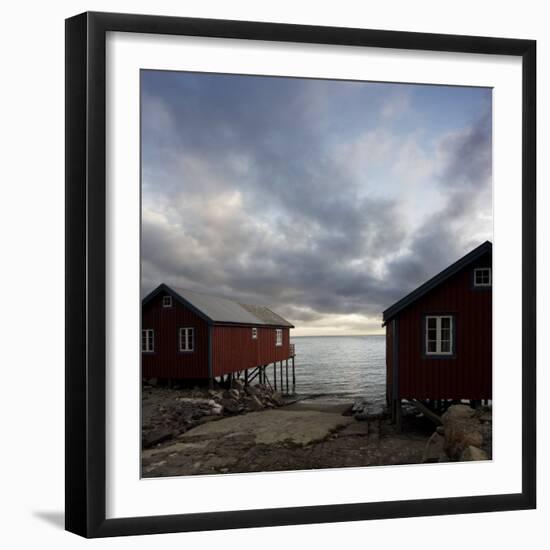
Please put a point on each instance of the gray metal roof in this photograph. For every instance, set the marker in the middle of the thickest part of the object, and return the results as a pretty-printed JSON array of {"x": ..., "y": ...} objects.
[{"x": 222, "y": 310}]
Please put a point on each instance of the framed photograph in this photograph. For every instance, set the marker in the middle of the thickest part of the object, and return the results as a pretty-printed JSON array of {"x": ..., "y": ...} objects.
[{"x": 300, "y": 280}]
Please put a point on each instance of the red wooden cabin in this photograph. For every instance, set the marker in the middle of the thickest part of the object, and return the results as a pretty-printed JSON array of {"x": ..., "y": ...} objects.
[
  {"x": 439, "y": 337},
  {"x": 191, "y": 335}
]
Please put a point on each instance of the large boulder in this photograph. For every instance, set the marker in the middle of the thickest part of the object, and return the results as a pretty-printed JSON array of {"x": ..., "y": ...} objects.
[
  {"x": 473, "y": 453},
  {"x": 462, "y": 429},
  {"x": 434, "y": 450}
]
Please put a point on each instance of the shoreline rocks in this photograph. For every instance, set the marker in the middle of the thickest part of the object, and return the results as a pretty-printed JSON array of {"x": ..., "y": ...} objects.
[
  {"x": 466, "y": 435},
  {"x": 170, "y": 412}
]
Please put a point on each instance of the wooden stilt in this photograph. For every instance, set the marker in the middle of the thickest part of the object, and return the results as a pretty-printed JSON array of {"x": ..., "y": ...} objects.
[
  {"x": 275, "y": 375},
  {"x": 293, "y": 377},
  {"x": 281, "y": 373},
  {"x": 286, "y": 373},
  {"x": 398, "y": 415},
  {"x": 245, "y": 378}
]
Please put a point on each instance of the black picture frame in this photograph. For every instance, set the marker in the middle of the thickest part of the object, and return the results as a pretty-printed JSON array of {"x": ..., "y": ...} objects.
[{"x": 86, "y": 279}]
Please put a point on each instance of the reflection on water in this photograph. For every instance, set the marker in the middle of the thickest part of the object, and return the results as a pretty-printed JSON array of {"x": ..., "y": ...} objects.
[{"x": 342, "y": 368}]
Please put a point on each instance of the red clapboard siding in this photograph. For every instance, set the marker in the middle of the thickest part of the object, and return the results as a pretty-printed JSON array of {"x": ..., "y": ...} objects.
[
  {"x": 166, "y": 361},
  {"x": 469, "y": 374},
  {"x": 389, "y": 360},
  {"x": 234, "y": 349}
]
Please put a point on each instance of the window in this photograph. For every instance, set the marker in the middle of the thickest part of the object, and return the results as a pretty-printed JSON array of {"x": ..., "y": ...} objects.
[
  {"x": 254, "y": 333},
  {"x": 278, "y": 336},
  {"x": 439, "y": 335},
  {"x": 187, "y": 339},
  {"x": 148, "y": 340},
  {"x": 482, "y": 276},
  {"x": 167, "y": 301}
]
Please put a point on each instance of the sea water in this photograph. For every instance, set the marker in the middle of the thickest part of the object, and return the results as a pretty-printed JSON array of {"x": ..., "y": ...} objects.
[{"x": 342, "y": 368}]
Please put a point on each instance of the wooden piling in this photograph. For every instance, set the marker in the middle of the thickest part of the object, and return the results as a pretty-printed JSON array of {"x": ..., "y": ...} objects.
[
  {"x": 293, "y": 377},
  {"x": 275, "y": 375},
  {"x": 398, "y": 416},
  {"x": 286, "y": 373}
]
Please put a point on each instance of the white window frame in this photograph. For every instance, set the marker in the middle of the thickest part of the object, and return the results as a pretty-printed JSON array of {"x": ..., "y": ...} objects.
[
  {"x": 278, "y": 336},
  {"x": 254, "y": 333},
  {"x": 170, "y": 302},
  {"x": 480, "y": 269},
  {"x": 149, "y": 335},
  {"x": 186, "y": 331},
  {"x": 438, "y": 339}
]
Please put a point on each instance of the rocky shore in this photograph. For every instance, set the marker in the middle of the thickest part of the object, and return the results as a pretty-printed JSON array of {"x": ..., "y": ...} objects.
[
  {"x": 465, "y": 434},
  {"x": 253, "y": 429},
  {"x": 170, "y": 412}
]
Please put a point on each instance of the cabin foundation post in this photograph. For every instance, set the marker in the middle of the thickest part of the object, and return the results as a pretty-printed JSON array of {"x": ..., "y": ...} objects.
[
  {"x": 398, "y": 415},
  {"x": 293, "y": 377},
  {"x": 281, "y": 373},
  {"x": 286, "y": 372},
  {"x": 275, "y": 375},
  {"x": 245, "y": 378}
]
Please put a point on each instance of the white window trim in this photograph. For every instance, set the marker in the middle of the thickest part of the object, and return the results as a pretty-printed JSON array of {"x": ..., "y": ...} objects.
[
  {"x": 278, "y": 337},
  {"x": 170, "y": 301},
  {"x": 477, "y": 270},
  {"x": 438, "y": 335},
  {"x": 254, "y": 333},
  {"x": 186, "y": 329},
  {"x": 146, "y": 332}
]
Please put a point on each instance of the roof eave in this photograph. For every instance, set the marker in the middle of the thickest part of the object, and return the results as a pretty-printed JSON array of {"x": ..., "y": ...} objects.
[
  {"x": 165, "y": 288},
  {"x": 435, "y": 281}
]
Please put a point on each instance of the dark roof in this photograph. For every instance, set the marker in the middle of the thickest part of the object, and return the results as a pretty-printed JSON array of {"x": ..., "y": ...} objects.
[
  {"x": 215, "y": 309},
  {"x": 465, "y": 261}
]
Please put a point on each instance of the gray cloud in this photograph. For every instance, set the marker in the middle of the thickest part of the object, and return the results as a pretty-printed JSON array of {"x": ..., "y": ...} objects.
[{"x": 251, "y": 190}]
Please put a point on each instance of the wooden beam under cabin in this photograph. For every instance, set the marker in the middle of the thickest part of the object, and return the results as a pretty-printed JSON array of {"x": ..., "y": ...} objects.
[{"x": 427, "y": 412}]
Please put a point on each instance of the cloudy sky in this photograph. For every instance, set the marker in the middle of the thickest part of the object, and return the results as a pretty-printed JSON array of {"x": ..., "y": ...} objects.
[{"x": 327, "y": 200}]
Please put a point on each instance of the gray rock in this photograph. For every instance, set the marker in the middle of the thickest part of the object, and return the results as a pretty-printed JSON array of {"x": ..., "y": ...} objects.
[
  {"x": 461, "y": 430},
  {"x": 234, "y": 394},
  {"x": 216, "y": 410},
  {"x": 473, "y": 453},
  {"x": 434, "y": 448},
  {"x": 154, "y": 437},
  {"x": 230, "y": 406},
  {"x": 237, "y": 384},
  {"x": 253, "y": 403},
  {"x": 252, "y": 390},
  {"x": 359, "y": 405},
  {"x": 277, "y": 398}
]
